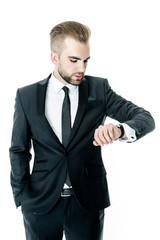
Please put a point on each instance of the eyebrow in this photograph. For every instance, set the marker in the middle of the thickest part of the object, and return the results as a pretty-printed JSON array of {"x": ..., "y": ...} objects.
[{"x": 77, "y": 58}]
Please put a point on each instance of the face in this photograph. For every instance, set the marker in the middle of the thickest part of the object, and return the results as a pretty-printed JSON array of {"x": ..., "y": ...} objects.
[{"x": 70, "y": 66}]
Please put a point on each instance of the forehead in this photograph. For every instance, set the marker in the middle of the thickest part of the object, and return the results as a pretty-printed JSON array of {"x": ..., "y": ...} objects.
[{"x": 76, "y": 48}]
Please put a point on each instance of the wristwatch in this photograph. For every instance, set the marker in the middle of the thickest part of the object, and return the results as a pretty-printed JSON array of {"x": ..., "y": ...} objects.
[{"x": 122, "y": 130}]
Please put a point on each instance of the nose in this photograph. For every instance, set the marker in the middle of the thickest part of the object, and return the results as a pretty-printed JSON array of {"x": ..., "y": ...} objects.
[{"x": 81, "y": 66}]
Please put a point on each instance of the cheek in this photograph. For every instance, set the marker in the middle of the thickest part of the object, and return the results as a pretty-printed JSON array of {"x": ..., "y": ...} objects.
[
  {"x": 66, "y": 65},
  {"x": 70, "y": 67}
]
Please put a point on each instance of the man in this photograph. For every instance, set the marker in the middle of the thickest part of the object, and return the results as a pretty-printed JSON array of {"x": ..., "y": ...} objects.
[{"x": 63, "y": 118}]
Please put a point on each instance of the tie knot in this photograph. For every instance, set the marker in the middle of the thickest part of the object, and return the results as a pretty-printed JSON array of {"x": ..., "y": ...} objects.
[{"x": 65, "y": 89}]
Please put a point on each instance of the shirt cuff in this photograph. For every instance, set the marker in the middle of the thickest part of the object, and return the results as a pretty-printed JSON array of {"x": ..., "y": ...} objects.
[
  {"x": 19, "y": 208},
  {"x": 130, "y": 133}
]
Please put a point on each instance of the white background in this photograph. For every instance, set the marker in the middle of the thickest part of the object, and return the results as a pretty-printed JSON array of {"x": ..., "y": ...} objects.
[{"x": 125, "y": 48}]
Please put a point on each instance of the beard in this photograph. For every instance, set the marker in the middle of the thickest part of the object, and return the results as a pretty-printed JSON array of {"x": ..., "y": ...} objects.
[{"x": 69, "y": 78}]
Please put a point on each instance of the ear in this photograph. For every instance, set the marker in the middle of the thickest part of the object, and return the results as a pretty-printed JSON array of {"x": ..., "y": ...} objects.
[{"x": 54, "y": 57}]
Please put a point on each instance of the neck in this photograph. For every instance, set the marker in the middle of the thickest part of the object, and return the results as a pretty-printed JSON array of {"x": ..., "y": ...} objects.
[{"x": 58, "y": 76}]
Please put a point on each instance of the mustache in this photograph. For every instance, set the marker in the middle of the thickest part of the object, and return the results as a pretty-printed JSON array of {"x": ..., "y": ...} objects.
[{"x": 78, "y": 73}]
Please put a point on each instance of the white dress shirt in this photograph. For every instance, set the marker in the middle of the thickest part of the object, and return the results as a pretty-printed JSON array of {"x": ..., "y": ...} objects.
[
  {"x": 53, "y": 105},
  {"x": 130, "y": 133}
]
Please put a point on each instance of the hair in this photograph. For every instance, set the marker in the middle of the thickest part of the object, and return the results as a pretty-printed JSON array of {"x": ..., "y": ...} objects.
[{"x": 60, "y": 32}]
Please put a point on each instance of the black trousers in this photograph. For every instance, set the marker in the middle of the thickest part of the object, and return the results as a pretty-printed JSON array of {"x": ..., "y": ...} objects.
[{"x": 68, "y": 218}]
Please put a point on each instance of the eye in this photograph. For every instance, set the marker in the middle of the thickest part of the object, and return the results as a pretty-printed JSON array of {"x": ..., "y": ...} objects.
[{"x": 74, "y": 61}]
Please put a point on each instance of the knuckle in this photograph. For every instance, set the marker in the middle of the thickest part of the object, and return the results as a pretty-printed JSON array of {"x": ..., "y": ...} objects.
[{"x": 100, "y": 127}]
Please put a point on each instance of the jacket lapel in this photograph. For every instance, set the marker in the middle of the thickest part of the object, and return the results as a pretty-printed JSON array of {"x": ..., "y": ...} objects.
[
  {"x": 41, "y": 97},
  {"x": 83, "y": 99}
]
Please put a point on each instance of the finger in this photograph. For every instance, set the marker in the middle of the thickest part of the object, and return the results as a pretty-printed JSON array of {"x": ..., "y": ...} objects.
[
  {"x": 102, "y": 133},
  {"x": 107, "y": 136},
  {"x": 97, "y": 138},
  {"x": 111, "y": 132},
  {"x": 95, "y": 143}
]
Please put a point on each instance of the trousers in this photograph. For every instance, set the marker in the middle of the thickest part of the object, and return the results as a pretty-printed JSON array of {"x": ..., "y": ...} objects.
[{"x": 66, "y": 218}]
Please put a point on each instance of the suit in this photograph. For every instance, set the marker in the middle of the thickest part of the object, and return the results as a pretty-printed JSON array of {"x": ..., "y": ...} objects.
[{"x": 39, "y": 191}]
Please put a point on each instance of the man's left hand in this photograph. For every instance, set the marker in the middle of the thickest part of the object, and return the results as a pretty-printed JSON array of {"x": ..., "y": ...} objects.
[{"x": 106, "y": 134}]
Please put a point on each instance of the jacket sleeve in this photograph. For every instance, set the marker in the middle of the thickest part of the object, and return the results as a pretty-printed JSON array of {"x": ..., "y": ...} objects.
[
  {"x": 19, "y": 151},
  {"x": 125, "y": 111}
]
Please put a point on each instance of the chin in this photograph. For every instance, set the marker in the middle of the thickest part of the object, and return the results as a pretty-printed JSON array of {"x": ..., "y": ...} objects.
[{"x": 76, "y": 82}]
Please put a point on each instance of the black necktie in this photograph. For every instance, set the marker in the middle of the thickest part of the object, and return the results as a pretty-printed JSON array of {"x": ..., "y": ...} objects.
[
  {"x": 66, "y": 118},
  {"x": 66, "y": 123}
]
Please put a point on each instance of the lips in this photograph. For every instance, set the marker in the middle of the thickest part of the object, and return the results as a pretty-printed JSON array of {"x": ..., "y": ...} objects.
[{"x": 78, "y": 76}]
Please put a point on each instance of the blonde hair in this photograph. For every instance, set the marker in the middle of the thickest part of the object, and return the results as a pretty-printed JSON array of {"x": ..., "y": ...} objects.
[{"x": 76, "y": 30}]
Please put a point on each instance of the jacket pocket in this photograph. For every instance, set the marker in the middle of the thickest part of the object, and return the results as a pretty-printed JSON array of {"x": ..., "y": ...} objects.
[
  {"x": 95, "y": 171},
  {"x": 38, "y": 175},
  {"x": 40, "y": 161}
]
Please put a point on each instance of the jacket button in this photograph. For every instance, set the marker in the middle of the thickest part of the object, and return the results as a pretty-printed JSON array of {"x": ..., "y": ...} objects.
[{"x": 66, "y": 154}]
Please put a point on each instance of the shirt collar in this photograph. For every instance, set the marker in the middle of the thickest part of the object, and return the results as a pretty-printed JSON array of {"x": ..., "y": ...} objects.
[{"x": 57, "y": 85}]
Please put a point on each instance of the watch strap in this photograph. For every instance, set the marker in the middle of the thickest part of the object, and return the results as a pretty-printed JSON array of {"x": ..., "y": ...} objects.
[{"x": 122, "y": 130}]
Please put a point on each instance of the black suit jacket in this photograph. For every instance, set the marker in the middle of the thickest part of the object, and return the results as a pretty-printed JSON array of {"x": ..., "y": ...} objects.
[{"x": 39, "y": 191}]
